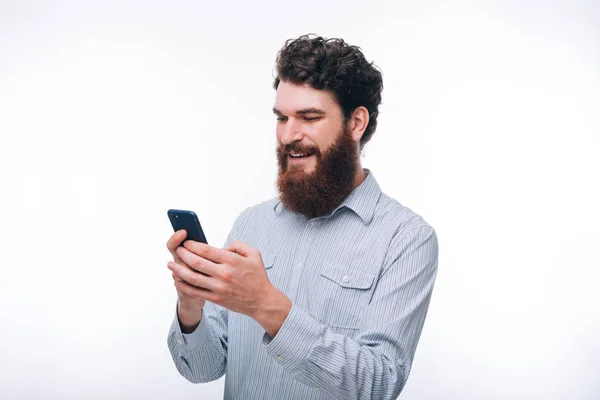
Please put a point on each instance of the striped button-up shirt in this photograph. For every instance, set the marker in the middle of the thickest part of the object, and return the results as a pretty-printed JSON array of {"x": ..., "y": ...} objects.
[{"x": 360, "y": 280}]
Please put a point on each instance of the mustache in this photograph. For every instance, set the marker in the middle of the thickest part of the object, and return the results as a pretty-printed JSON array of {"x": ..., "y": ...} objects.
[{"x": 297, "y": 148}]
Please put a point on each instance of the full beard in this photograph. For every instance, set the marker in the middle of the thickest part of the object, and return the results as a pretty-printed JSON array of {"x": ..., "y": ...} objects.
[{"x": 319, "y": 192}]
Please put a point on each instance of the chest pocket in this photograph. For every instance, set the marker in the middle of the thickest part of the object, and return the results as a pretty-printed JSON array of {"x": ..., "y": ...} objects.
[{"x": 340, "y": 295}]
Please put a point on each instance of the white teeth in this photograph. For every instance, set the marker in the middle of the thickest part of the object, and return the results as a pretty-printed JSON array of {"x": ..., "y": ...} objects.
[{"x": 298, "y": 155}]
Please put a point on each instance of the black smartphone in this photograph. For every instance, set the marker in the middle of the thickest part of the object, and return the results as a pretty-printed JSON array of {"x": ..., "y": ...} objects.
[{"x": 184, "y": 219}]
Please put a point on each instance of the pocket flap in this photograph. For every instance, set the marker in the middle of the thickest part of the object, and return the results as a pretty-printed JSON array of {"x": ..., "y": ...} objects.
[
  {"x": 346, "y": 277},
  {"x": 269, "y": 260}
]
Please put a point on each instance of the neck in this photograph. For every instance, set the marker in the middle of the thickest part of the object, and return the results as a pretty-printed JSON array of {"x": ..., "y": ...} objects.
[{"x": 359, "y": 177}]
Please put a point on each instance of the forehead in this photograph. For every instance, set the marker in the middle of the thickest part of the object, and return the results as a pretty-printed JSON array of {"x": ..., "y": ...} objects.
[{"x": 291, "y": 97}]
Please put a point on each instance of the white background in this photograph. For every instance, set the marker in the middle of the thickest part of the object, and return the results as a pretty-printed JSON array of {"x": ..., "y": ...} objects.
[{"x": 112, "y": 112}]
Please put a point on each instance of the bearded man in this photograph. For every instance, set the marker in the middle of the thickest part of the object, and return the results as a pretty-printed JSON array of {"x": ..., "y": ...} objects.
[{"x": 322, "y": 292}]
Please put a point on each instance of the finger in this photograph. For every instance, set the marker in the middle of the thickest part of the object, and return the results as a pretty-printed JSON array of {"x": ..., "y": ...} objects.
[
  {"x": 174, "y": 267},
  {"x": 175, "y": 240},
  {"x": 176, "y": 278},
  {"x": 196, "y": 292},
  {"x": 241, "y": 248},
  {"x": 217, "y": 256},
  {"x": 196, "y": 262},
  {"x": 190, "y": 290},
  {"x": 183, "y": 273},
  {"x": 223, "y": 273}
]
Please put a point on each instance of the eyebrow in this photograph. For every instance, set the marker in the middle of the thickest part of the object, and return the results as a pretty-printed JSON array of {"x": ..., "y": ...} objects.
[{"x": 309, "y": 110}]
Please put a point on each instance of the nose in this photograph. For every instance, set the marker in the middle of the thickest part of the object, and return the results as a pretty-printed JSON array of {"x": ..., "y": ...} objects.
[{"x": 290, "y": 132}]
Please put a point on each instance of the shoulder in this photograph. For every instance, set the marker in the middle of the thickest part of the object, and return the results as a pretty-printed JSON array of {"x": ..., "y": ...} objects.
[
  {"x": 399, "y": 217},
  {"x": 413, "y": 240},
  {"x": 260, "y": 211}
]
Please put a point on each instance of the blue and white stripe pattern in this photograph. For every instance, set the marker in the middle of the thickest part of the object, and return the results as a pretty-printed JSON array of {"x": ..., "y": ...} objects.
[{"x": 360, "y": 281}]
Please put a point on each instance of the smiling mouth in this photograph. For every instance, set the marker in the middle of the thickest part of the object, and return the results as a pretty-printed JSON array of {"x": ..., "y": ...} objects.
[{"x": 299, "y": 155}]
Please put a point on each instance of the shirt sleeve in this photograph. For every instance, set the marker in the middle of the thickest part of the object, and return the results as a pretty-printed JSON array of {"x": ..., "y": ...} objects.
[
  {"x": 201, "y": 356},
  {"x": 375, "y": 364}
]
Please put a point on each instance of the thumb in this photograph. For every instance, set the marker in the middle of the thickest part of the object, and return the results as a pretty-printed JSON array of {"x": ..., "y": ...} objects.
[{"x": 241, "y": 248}]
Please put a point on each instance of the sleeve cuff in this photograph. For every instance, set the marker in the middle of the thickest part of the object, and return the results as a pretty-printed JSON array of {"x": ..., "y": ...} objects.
[
  {"x": 189, "y": 341},
  {"x": 295, "y": 339}
]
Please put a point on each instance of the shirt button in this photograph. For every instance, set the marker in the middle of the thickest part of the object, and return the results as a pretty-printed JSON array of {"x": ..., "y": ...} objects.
[
  {"x": 179, "y": 341},
  {"x": 345, "y": 279},
  {"x": 279, "y": 358},
  {"x": 299, "y": 265},
  {"x": 317, "y": 387},
  {"x": 399, "y": 361},
  {"x": 314, "y": 223}
]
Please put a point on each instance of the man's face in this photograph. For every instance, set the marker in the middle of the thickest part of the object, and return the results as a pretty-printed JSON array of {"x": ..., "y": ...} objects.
[
  {"x": 309, "y": 122},
  {"x": 317, "y": 156}
]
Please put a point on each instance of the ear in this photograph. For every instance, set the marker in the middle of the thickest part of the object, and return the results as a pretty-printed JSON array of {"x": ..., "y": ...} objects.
[{"x": 358, "y": 122}]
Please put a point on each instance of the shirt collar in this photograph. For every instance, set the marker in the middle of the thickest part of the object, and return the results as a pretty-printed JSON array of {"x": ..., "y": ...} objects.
[{"x": 362, "y": 200}]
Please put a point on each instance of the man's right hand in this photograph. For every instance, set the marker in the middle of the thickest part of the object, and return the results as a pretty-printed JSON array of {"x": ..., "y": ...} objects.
[{"x": 189, "y": 305}]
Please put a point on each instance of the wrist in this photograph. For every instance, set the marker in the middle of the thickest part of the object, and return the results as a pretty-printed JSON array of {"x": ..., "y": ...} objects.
[
  {"x": 273, "y": 313},
  {"x": 189, "y": 318}
]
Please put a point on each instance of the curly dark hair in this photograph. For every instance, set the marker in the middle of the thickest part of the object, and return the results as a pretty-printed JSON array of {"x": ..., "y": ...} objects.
[{"x": 333, "y": 65}]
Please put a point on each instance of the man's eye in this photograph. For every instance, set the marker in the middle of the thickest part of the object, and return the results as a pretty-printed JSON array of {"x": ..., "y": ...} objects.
[
  {"x": 311, "y": 119},
  {"x": 280, "y": 118}
]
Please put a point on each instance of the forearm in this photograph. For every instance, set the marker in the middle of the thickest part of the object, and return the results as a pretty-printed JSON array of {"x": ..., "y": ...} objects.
[{"x": 333, "y": 363}]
